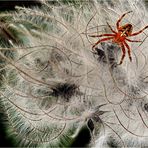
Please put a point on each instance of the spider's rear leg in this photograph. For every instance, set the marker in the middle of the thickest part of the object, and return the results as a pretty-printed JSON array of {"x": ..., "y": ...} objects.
[
  {"x": 123, "y": 54},
  {"x": 111, "y": 28},
  {"x": 119, "y": 20},
  {"x": 140, "y": 31},
  {"x": 102, "y": 40},
  {"x": 133, "y": 40}
]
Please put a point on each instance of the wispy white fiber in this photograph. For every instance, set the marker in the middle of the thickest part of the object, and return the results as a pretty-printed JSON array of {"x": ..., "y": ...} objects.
[{"x": 55, "y": 83}]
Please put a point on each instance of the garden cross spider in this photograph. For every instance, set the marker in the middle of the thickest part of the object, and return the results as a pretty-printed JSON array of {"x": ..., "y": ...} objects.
[{"x": 120, "y": 37}]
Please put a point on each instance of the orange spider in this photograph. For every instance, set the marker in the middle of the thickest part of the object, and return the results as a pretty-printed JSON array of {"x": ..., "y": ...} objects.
[{"x": 120, "y": 37}]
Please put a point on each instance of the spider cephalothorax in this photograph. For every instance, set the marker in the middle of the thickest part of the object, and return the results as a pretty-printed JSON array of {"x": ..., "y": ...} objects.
[{"x": 120, "y": 36}]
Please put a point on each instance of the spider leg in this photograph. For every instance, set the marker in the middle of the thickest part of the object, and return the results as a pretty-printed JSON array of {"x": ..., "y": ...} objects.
[
  {"x": 136, "y": 33},
  {"x": 111, "y": 28},
  {"x": 133, "y": 40},
  {"x": 102, "y": 40},
  {"x": 119, "y": 20},
  {"x": 101, "y": 35},
  {"x": 129, "y": 50},
  {"x": 123, "y": 53}
]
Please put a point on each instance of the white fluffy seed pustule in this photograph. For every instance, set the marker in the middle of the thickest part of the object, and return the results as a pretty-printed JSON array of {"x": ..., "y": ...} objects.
[{"x": 54, "y": 83}]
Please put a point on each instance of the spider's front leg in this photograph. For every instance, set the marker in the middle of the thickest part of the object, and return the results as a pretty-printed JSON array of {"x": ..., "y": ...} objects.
[
  {"x": 101, "y": 35},
  {"x": 102, "y": 40},
  {"x": 123, "y": 53},
  {"x": 129, "y": 50}
]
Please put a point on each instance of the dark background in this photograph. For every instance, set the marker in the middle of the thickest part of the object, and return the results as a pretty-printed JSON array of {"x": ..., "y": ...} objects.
[{"x": 7, "y": 5}]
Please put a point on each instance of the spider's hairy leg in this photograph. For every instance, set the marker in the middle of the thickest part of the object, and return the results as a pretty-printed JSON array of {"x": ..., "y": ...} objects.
[
  {"x": 111, "y": 28},
  {"x": 119, "y": 20},
  {"x": 140, "y": 31},
  {"x": 123, "y": 53},
  {"x": 102, "y": 40},
  {"x": 133, "y": 40},
  {"x": 101, "y": 35},
  {"x": 129, "y": 50}
]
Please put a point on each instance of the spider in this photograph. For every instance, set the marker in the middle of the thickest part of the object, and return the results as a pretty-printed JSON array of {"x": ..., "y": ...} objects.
[{"x": 120, "y": 37}]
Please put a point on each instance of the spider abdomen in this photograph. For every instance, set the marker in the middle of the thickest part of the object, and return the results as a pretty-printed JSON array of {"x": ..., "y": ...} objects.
[{"x": 126, "y": 30}]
